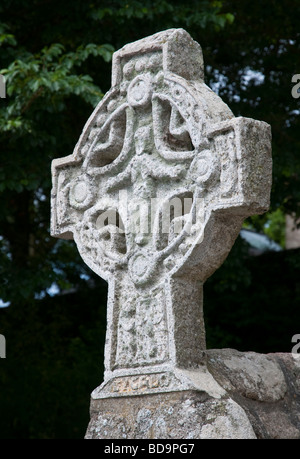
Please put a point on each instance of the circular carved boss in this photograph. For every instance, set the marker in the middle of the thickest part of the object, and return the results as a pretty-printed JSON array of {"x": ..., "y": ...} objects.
[
  {"x": 139, "y": 91},
  {"x": 80, "y": 195}
]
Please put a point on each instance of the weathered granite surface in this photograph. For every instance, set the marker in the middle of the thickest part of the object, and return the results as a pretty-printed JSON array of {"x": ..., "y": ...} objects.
[
  {"x": 154, "y": 196},
  {"x": 248, "y": 396}
]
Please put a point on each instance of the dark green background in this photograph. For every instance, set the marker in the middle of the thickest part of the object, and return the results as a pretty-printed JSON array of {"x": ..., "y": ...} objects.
[{"x": 55, "y": 343}]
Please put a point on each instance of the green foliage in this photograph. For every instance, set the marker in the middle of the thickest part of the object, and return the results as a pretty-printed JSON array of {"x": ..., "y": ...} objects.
[
  {"x": 38, "y": 120},
  {"x": 42, "y": 82},
  {"x": 275, "y": 227},
  {"x": 271, "y": 223},
  {"x": 191, "y": 13},
  {"x": 56, "y": 57}
]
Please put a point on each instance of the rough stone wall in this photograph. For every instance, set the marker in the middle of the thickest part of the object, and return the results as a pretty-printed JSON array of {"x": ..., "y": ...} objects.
[
  {"x": 266, "y": 386},
  {"x": 259, "y": 398}
]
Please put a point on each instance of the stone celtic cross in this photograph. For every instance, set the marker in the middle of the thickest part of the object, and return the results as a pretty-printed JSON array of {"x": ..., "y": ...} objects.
[{"x": 154, "y": 195}]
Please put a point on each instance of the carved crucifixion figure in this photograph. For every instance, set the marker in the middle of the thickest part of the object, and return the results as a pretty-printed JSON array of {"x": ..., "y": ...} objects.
[{"x": 154, "y": 195}]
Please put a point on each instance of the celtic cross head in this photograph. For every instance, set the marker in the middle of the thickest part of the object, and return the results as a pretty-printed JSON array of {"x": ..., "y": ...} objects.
[{"x": 154, "y": 195}]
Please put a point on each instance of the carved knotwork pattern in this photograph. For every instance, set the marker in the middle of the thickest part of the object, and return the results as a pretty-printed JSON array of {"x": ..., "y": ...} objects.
[{"x": 159, "y": 141}]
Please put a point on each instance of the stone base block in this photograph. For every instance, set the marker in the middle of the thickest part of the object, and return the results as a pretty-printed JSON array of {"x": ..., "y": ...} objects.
[
  {"x": 175, "y": 415},
  {"x": 254, "y": 396}
]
